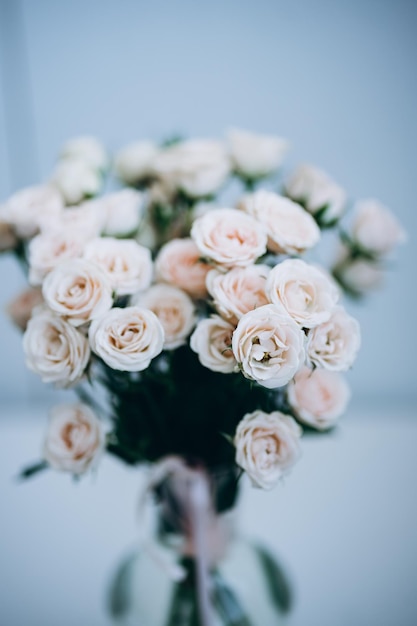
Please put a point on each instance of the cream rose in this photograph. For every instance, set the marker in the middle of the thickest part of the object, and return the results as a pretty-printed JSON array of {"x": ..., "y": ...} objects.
[
  {"x": 317, "y": 192},
  {"x": 268, "y": 346},
  {"x": 74, "y": 440},
  {"x": 359, "y": 275},
  {"x": 267, "y": 446},
  {"x": 47, "y": 250},
  {"x": 319, "y": 397},
  {"x": 54, "y": 349},
  {"x": 198, "y": 167},
  {"x": 334, "y": 345},
  {"x": 26, "y": 209},
  {"x": 253, "y": 155},
  {"x": 289, "y": 228},
  {"x": 133, "y": 163},
  {"x": 78, "y": 290},
  {"x": 306, "y": 292},
  {"x": 174, "y": 309},
  {"x": 212, "y": 340},
  {"x": 87, "y": 148},
  {"x": 76, "y": 179},
  {"x": 20, "y": 309},
  {"x": 179, "y": 263},
  {"x": 122, "y": 212},
  {"x": 240, "y": 290},
  {"x": 229, "y": 237},
  {"x": 128, "y": 265},
  {"x": 85, "y": 221},
  {"x": 375, "y": 228},
  {"x": 127, "y": 339}
]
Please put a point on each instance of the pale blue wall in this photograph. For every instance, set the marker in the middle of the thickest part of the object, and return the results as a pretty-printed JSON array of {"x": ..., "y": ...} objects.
[{"x": 337, "y": 78}]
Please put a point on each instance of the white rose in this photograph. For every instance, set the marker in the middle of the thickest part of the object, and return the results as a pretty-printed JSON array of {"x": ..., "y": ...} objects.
[
  {"x": 54, "y": 349},
  {"x": 87, "y": 148},
  {"x": 127, "y": 339},
  {"x": 122, "y": 212},
  {"x": 78, "y": 290},
  {"x": 240, "y": 290},
  {"x": 334, "y": 345},
  {"x": 316, "y": 191},
  {"x": 85, "y": 220},
  {"x": 229, "y": 237},
  {"x": 268, "y": 346},
  {"x": 375, "y": 228},
  {"x": 26, "y": 209},
  {"x": 289, "y": 228},
  {"x": 360, "y": 275},
  {"x": 174, "y": 309},
  {"x": 198, "y": 167},
  {"x": 20, "y": 309},
  {"x": 128, "y": 265},
  {"x": 267, "y": 446},
  {"x": 319, "y": 397},
  {"x": 179, "y": 263},
  {"x": 253, "y": 155},
  {"x": 306, "y": 292},
  {"x": 75, "y": 438},
  {"x": 76, "y": 179},
  {"x": 212, "y": 340},
  {"x": 133, "y": 163},
  {"x": 49, "y": 249}
]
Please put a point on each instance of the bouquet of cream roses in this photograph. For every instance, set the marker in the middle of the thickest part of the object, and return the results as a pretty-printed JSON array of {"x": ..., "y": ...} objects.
[{"x": 187, "y": 327}]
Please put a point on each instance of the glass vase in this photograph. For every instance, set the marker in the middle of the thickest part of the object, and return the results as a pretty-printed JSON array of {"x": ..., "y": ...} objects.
[{"x": 166, "y": 583}]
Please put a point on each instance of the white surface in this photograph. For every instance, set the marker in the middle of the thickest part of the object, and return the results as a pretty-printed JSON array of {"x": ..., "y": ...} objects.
[{"x": 344, "y": 522}]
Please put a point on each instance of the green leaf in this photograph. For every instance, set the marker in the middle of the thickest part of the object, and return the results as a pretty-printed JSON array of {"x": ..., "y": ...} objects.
[
  {"x": 227, "y": 604},
  {"x": 278, "y": 583}
]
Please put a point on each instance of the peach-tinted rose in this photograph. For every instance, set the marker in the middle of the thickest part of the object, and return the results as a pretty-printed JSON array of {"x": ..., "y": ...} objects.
[
  {"x": 238, "y": 291},
  {"x": 54, "y": 349},
  {"x": 229, "y": 237},
  {"x": 334, "y": 344},
  {"x": 319, "y": 397},
  {"x": 127, "y": 339},
  {"x": 47, "y": 250},
  {"x": 74, "y": 440},
  {"x": 128, "y": 265},
  {"x": 212, "y": 341},
  {"x": 306, "y": 291},
  {"x": 78, "y": 290},
  {"x": 179, "y": 263},
  {"x": 174, "y": 309},
  {"x": 290, "y": 229},
  {"x": 267, "y": 446},
  {"x": 268, "y": 346},
  {"x": 21, "y": 307}
]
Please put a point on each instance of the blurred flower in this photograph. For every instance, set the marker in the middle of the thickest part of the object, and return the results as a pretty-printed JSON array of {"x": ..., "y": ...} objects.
[
  {"x": 75, "y": 438},
  {"x": 122, "y": 212},
  {"x": 212, "y": 340},
  {"x": 179, "y": 263},
  {"x": 133, "y": 163},
  {"x": 306, "y": 292},
  {"x": 88, "y": 149},
  {"x": 76, "y": 179},
  {"x": 174, "y": 309},
  {"x": 127, "y": 264},
  {"x": 267, "y": 446},
  {"x": 47, "y": 250},
  {"x": 8, "y": 239},
  {"x": 319, "y": 397},
  {"x": 268, "y": 346},
  {"x": 54, "y": 349},
  {"x": 240, "y": 290},
  {"x": 127, "y": 339},
  {"x": 253, "y": 155},
  {"x": 85, "y": 221},
  {"x": 289, "y": 228},
  {"x": 334, "y": 344},
  {"x": 317, "y": 192},
  {"x": 197, "y": 167},
  {"x": 26, "y": 209},
  {"x": 78, "y": 290},
  {"x": 20, "y": 309},
  {"x": 229, "y": 237},
  {"x": 375, "y": 228},
  {"x": 359, "y": 275}
]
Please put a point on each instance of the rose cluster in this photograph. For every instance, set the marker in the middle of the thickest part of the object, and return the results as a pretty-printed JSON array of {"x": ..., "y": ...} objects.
[{"x": 120, "y": 281}]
